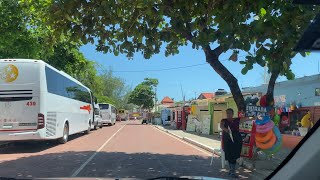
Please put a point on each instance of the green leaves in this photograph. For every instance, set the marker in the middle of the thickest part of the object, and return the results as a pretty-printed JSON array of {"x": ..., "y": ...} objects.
[
  {"x": 244, "y": 70},
  {"x": 263, "y": 12},
  {"x": 143, "y": 94}
]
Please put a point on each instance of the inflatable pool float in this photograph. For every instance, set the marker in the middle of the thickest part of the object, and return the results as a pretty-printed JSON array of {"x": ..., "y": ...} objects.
[
  {"x": 265, "y": 127},
  {"x": 268, "y": 144},
  {"x": 263, "y": 121},
  {"x": 277, "y": 146},
  {"x": 263, "y": 137}
]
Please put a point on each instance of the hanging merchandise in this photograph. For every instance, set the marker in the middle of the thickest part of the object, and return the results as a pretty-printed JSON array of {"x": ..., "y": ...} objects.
[
  {"x": 263, "y": 120},
  {"x": 265, "y": 127},
  {"x": 279, "y": 111},
  {"x": 276, "y": 119},
  {"x": 263, "y": 101},
  {"x": 268, "y": 137},
  {"x": 267, "y": 144},
  {"x": 285, "y": 121},
  {"x": 305, "y": 121},
  {"x": 277, "y": 146},
  {"x": 264, "y": 137}
]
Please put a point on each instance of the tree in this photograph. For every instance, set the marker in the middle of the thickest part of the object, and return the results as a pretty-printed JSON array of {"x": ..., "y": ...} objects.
[
  {"x": 266, "y": 30},
  {"x": 114, "y": 87},
  {"x": 17, "y": 41},
  {"x": 143, "y": 94}
]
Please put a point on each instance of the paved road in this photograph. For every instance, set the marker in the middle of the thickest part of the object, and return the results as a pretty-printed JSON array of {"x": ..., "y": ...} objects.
[{"x": 126, "y": 150}]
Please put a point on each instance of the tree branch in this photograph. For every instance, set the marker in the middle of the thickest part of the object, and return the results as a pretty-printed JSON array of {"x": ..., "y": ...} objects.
[
  {"x": 212, "y": 57},
  {"x": 270, "y": 94}
]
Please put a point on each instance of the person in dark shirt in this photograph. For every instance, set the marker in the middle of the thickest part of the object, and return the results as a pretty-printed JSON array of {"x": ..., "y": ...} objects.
[{"x": 231, "y": 148}]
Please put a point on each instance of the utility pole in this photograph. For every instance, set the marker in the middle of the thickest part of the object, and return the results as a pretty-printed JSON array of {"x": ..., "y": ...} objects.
[
  {"x": 183, "y": 98},
  {"x": 155, "y": 99}
]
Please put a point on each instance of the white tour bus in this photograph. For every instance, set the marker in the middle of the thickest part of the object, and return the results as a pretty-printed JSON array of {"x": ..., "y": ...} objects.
[
  {"x": 39, "y": 102},
  {"x": 109, "y": 113}
]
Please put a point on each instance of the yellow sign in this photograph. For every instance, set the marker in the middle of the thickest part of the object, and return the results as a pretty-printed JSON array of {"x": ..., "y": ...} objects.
[{"x": 9, "y": 73}]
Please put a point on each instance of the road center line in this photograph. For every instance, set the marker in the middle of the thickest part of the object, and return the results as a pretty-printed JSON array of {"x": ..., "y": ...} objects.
[
  {"x": 195, "y": 147},
  {"x": 93, "y": 155}
]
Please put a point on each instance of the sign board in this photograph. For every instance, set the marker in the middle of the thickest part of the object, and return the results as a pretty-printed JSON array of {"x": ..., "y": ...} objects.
[
  {"x": 247, "y": 129},
  {"x": 248, "y": 138},
  {"x": 280, "y": 100},
  {"x": 255, "y": 111}
]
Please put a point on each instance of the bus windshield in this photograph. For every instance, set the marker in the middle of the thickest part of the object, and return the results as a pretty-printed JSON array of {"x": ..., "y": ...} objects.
[{"x": 104, "y": 106}]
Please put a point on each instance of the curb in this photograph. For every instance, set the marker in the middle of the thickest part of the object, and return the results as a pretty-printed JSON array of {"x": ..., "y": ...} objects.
[
  {"x": 202, "y": 146},
  {"x": 217, "y": 152},
  {"x": 168, "y": 132}
]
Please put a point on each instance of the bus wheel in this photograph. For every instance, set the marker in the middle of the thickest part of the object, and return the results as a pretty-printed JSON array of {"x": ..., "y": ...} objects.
[
  {"x": 95, "y": 127},
  {"x": 89, "y": 129},
  {"x": 65, "y": 135},
  {"x": 101, "y": 126}
]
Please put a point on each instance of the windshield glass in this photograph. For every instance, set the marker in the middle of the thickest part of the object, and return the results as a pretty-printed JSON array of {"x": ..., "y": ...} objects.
[
  {"x": 104, "y": 106},
  {"x": 214, "y": 88}
]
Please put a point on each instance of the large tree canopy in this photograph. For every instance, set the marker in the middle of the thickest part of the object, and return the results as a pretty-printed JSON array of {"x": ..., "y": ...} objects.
[
  {"x": 266, "y": 30},
  {"x": 24, "y": 33},
  {"x": 143, "y": 94}
]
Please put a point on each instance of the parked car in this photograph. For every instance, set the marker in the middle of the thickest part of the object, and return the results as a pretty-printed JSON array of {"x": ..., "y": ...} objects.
[{"x": 97, "y": 122}]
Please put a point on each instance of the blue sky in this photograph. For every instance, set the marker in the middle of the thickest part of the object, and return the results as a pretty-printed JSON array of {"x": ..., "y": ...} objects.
[{"x": 194, "y": 80}]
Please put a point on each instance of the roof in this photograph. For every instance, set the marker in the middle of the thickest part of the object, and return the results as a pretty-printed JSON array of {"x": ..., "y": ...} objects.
[
  {"x": 206, "y": 96},
  {"x": 166, "y": 100},
  {"x": 302, "y": 81}
]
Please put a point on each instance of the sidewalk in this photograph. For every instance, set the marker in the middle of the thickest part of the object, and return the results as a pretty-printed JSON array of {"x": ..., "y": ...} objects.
[{"x": 262, "y": 165}]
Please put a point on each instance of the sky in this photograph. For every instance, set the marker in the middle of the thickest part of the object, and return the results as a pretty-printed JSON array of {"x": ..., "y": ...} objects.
[{"x": 188, "y": 72}]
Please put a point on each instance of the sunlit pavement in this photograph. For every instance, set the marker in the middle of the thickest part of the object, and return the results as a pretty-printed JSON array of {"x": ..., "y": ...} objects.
[{"x": 126, "y": 150}]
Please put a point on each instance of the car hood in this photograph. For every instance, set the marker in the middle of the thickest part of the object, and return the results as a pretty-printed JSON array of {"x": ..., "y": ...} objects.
[{"x": 99, "y": 178}]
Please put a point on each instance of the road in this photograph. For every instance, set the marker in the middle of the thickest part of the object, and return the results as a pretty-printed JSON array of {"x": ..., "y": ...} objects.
[{"x": 125, "y": 150}]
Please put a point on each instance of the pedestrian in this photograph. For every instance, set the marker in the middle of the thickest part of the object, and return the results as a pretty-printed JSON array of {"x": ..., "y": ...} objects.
[{"x": 232, "y": 141}]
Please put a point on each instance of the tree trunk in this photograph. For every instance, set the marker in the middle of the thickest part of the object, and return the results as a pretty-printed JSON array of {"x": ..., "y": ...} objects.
[
  {"x": 270, "y": 94},
  {"x": 212, "y": 57}
]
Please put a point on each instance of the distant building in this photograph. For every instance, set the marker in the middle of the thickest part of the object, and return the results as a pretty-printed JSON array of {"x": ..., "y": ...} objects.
[
  {"x": 167, "y": 100},
  {"x": 206, "y": 95},
  {"x": 304, "y": 91},
  {"x": 165, "y": 103}
]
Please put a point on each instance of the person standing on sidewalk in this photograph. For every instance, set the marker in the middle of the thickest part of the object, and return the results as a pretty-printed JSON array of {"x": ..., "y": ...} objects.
[{"x": 232, "y": 141}]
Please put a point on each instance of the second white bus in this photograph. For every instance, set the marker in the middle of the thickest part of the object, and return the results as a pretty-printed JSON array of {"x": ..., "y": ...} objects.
[{"x": 39, "y": 102}]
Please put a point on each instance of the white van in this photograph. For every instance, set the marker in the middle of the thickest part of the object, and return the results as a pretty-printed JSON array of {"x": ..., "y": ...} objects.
[{"x": 109, "y": 113}]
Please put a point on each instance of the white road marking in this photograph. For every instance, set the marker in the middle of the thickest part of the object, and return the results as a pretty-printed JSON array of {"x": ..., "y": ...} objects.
[
  {"x": 195, "y": 147},
  {"x": 93, "y": 155}
]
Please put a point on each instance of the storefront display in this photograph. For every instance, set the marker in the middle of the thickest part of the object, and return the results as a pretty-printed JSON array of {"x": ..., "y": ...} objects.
[{"x": 247, "y": 131}]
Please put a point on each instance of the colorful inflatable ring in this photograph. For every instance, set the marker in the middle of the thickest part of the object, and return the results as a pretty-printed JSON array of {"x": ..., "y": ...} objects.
[
  {"x": 265, "y": 128},
  {"x": 263, "y": 121},
  {"x": 260, "y": 137},
  {"x": 268, "y": 144},
  {"x": 276, "y": 147}
]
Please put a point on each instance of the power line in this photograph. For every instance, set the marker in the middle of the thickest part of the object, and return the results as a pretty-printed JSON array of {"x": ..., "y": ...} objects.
[{"x": 166, "y": 69}]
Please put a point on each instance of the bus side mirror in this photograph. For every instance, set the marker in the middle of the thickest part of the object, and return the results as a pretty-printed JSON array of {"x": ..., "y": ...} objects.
[{"x": 95, "y": 100}]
